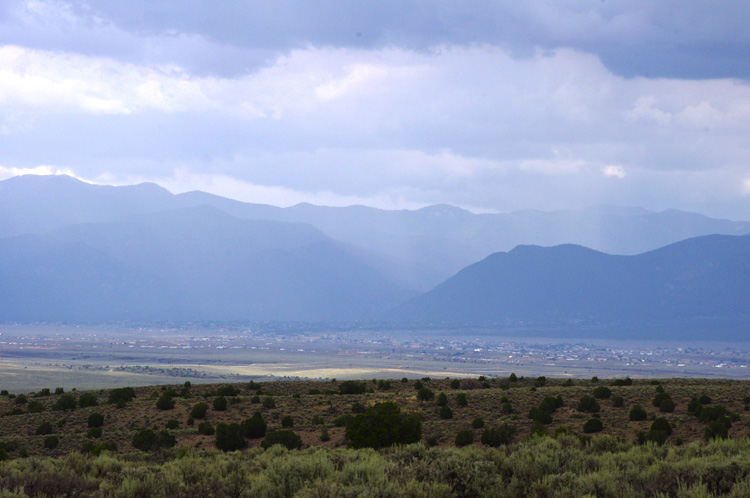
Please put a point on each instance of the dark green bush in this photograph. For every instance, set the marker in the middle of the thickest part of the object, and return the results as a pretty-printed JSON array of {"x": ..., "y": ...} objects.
[
  {"x": 352, "y": 387},
  {"x": 617, "y": 401},
  {"x": 94, "y": 433},
  {"x": 464, "y": 438},
  {"x": 602, "y": 392},
  {"x": 220, "y": 403},
  {"x": 120, "y": 394},
  {"x": 199, "y": 410},
  {"x": 44, "y": 429},
  {"x": 500, "y": 435},
  {"x": 442, "y": 399},
  {"x": 143, "y": 439},
  {"x": 34, "y": 407},
  {"x": 455, "y": 384},
  {"x": 592, "y": 425},
  {"x": 343, "y": 420},
  {"x": 172, "y": 424},
  {"x": 51, "y": 442},
  {"x": 477, "y": 423},
  {"x": 289, "y": 439},
  {"x": 425, "y": 394},
  {"x": 229, "y": 437},
  {"x": 445, "y": 412},
  {"x": 228, "y": 391},
  {"x": 588, "y": 404},
  {"x": 206, "y": 429},
  {"x": 87, "y": 399},
  {"x": 287, "y": 421},
  {"x": 637, "y": 413},
  {"x": 65, "y": 403},
  {"x": 269, "y": 402},
  {"x": 627, "y": 381},
  {"x": 383, "y": 425},
  {"x": 254, "y": 427},
  {"x": 461, "y": 399},
  {"x": 165, "y": 402},
  {"x": 95, "y": 420}
]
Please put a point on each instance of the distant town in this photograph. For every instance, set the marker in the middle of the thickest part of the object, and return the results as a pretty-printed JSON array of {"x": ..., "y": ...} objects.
[{"x": 153, "y": 354}]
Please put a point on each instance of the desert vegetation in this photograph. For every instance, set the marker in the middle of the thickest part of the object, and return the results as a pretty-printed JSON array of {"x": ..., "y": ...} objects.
[{"x": 510, "y": 436}]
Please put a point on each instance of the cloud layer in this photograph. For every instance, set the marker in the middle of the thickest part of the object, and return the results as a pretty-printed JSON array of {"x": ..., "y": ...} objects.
[{"x": 493, "y": 108}]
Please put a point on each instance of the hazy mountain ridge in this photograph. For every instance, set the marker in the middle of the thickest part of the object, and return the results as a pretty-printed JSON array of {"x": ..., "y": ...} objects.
[
  {"x": 703, "y": 278},
  {"x": 419, "y": 248},
  {"x": 93, "y": 253},
  {"x": 190, "y": 264}
]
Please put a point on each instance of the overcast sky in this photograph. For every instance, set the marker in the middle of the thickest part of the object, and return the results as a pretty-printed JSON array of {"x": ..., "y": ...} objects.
[{"x": 493, "y": 106}]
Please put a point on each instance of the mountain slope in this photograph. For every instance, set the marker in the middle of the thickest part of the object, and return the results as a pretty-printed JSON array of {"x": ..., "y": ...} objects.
[
  {"x": 418, "y": 248},
  {"x": 189, "y": 264},
  {"x": 704, "y": 278}
]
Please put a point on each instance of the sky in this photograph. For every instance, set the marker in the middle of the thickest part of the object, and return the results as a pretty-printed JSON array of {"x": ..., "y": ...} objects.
[{"x": 493, "y": 106}]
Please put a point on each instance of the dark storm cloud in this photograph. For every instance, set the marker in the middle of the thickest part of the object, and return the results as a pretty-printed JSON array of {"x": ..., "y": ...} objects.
[{"x": 691, "y": 39}]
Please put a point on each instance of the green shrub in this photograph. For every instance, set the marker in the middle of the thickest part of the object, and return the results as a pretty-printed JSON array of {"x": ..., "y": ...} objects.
[
  {"x": 500, "y": 435},
  {"x": 44, "y": 429},
  {"x": 220, "y": 404},
  {"x": 592, "y": 425},
  {"x": 464, "y": 438},
  {"x": 95, "y": 420},
  {"x": 228, "y": 391},
  {"x": 324, "y": 436},
  {"x": 664, "y": 402},
  {"x": 477, "y": 423},
  {"x": 165, "y": 402},
  {"x": 455, "y": 384},
  {"x": 120, "y": 394},
  {"x": 205, "y": 428},
  {"x": 588, "y": 404},
  {"x": 442, "y": 399},
  {"x": 199, "y": 411},
  {"x": 383, "y": 425},
  {"x": 445, "y": 412},
  {"x": 461, "y": 399},
  {"x": 627, "y": 381},
  {"x": 143, "y": 439},
  {"x": 51, "y": 442},
  {"x": 617, "y": 401},
  {"x": 254, "y": 427},
  {"x": 358, "y": 407},
  {"x": 94, "y": 433},
  {"x": 637, "y": 413},
  {"x": 269, "y": 402},
  {"x": 425, "y": 394},
  {"x": 87, "y": 399},
  {"x": 602, "y": 392},
  {"x": 172, "y": 424},
  {"x": 289, "y": 439},
  {"x": 34, "y": 407},
  {"x": 287, "y": 421},
  {"x": 65, "y": 403},
  {"x": 229, "y": 437},
  {"x": 352, "y": 387}
]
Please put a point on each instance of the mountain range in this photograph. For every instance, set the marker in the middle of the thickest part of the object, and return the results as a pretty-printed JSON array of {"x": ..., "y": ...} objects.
[{"x": 72, "y": 251}]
